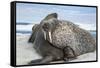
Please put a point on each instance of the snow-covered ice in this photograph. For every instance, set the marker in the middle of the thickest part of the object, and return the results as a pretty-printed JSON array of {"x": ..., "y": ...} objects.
[{"x": 25, "y": 52}]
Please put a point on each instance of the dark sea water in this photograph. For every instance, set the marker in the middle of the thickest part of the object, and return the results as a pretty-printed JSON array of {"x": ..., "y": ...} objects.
[{"x": 29, "y": 32}]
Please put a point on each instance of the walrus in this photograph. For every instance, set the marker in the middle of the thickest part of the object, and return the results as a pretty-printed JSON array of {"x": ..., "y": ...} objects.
[
  {"x": 65, "y": 34},
  {"x": 43, "y": 47},
  {"x": 57, "y": 39}
]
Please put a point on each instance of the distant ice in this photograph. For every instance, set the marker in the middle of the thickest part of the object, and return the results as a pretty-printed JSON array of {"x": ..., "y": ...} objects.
[
  {"x": 86, "y": 26},
  {"x": 21, "y": 34},
  {"x": 24, "y": 27}
]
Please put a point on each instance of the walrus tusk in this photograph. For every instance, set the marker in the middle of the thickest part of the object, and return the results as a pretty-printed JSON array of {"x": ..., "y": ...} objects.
[
  {"x": 44, "y": 35},
  {"x": 50, "y": 37}
]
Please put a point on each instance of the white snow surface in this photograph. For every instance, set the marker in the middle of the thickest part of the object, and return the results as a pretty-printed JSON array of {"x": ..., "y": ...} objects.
[{"x": 25, "y": 52}]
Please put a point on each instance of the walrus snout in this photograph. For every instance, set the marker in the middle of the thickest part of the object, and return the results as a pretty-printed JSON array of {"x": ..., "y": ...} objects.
[{"x": 47, "y": 32}]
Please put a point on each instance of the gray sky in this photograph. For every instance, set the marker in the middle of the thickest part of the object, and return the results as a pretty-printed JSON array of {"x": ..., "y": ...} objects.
[{"x": 85, "y": 17}]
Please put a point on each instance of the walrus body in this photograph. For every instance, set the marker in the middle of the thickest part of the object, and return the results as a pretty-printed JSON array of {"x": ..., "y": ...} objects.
[
  {"x": 69, "y": 34},
  {"x": 43, "y": 47},
  {"x": 55, "y": 39}
]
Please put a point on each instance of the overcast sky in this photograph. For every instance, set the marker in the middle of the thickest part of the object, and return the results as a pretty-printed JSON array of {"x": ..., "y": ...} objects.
[{"x": 85, "y": 17}]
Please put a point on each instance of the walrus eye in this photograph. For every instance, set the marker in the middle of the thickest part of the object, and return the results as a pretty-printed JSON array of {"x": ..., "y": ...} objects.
[{"x": 46, "y": 26}]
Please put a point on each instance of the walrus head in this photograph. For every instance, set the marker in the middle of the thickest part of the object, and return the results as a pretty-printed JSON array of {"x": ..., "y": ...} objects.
[{"x": 48, "y": 25}]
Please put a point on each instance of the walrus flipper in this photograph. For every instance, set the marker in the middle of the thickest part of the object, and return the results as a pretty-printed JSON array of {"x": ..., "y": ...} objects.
[
  {"x": 69, "y": 53},
  {"x": 44, "y": 60},
  {"x": 34, "y": 32}
]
